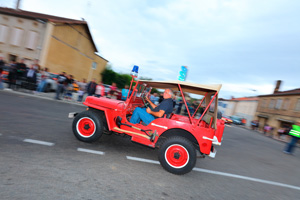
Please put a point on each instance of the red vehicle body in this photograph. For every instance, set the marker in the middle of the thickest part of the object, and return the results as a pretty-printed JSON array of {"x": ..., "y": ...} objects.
[{"x": 177, "y": 136}]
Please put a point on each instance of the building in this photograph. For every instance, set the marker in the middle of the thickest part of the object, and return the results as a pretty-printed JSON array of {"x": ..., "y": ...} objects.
[
  {"x": 280, "y": 109},
  {"x": 244, "y": 107},
  {"x": 60, "y": 44}
]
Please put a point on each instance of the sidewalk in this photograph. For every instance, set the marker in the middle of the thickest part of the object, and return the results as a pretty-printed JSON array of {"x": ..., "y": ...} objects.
[
  {"x": 43, "y": 95},
  {"x": 270, "y": 136}
]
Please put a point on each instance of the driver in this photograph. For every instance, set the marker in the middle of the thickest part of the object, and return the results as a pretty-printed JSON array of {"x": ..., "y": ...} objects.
[{"x": 148, "y": 115}]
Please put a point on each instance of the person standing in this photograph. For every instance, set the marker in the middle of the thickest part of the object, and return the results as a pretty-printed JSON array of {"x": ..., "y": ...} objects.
[
  {"x": 61, "y": 81},
  {"x": 68, "y": 86},
  {"x": 295, "y": 135},
  {"x": 179, "y": 102},
  {"x": 112, "y": 90},
  {"x": 12, "y": 75},
  {"x": 36, "y": 65},
  {"x": 91, "y": 87},
  {"x": 44, "y": 76},
  {"x": 21, "y": 72},
  {"x": 100, "y": 90},
  {"x": 31, "y": 78},
  {"x": 125, "y": 93},
  {"x": 1, "y": 81},
  {"x": 2, "y": 63},
  {"x": 82, "y": 89}
]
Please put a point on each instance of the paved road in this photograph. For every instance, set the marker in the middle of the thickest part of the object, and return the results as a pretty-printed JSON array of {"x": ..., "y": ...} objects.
[{"x": 247, "y": 166}]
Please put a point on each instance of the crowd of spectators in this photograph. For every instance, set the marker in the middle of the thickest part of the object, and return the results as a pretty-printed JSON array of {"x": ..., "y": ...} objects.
[
  {"x": 35, "y": 78},
  {"x": 18, "y": 74}
]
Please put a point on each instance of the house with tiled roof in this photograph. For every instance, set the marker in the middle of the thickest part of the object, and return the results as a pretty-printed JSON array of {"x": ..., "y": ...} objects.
[
  {"x": 60, "y": 44},
  {"x": 280, "y": 109}
]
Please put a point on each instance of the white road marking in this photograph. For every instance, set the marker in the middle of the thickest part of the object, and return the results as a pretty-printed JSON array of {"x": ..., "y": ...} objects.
[
  {"x": 90, "y": 151},
  {"x": 38, "y": 142},
  {"x": 0, "y": 134},
  {"x": 227, "y": 125},
  {"x": 142, "y": 160},
  {"x": 223, "y": 174},
  {"x": 246, "y": 178}
]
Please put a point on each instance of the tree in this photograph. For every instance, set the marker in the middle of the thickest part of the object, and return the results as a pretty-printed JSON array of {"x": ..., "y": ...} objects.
[{"x": 109, "y": 76}]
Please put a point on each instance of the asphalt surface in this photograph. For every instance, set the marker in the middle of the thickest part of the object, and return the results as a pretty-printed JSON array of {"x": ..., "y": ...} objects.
[{"x": 248, "y": 165}]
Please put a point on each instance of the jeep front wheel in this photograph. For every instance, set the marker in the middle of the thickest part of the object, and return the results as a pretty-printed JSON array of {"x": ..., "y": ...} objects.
[
  {"x": 177, "y": 155},
  {"x": 88, "y": 126}
]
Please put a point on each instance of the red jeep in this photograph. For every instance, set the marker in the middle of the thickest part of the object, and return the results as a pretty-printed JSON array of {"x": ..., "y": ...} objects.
[{"x": 177, "y": 136}]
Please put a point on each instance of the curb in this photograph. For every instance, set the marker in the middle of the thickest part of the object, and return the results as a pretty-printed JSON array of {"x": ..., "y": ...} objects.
[{"x": 41, "y": 96}]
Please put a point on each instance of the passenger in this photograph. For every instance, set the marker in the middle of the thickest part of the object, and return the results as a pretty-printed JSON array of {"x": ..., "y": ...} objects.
[{"x": 148, "y": 115}]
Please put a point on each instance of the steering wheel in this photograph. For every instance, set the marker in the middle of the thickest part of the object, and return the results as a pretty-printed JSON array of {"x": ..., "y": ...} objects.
[{"x": 146, "y": 103}]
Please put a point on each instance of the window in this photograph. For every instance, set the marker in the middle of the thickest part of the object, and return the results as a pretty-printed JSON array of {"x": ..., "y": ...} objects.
[
  {"x": 16, "y": 36},
  {"x": 12, "y": 57},
  {"x": 3, "y": 33},
  {"x": 286, "y": 104},
  {"x": 94, "y": 65},
  {"x": 263, "y": 103},
  {"x": 278, "y": 104},
  {"x": 31, "y": 41},
  {"x": 297, "y": 107},
  {"x": 272, "y": 103}
]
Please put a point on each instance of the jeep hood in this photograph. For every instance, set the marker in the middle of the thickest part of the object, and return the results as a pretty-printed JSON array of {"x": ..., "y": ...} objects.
[{"x": 103, "y": 102}]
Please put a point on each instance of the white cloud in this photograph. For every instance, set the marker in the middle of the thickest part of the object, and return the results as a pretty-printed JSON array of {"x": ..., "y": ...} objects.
[{"x": 242, "y": 44}]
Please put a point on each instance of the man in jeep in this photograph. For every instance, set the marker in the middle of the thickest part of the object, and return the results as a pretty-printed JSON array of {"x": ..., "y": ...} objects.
[{"x": 148, "y": 115}]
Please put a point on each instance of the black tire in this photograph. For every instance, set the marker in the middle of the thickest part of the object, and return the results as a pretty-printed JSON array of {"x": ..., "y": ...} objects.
[
  {"x": 88, "y": 126},
  {"x": 177, "y": 155}
]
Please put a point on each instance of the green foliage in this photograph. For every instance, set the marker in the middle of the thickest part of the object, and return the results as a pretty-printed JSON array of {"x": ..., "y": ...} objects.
[
  {"x": 109, "y": 76},
  {"x": 154, "y": 90},
  {"x": 122, "y": 80}
]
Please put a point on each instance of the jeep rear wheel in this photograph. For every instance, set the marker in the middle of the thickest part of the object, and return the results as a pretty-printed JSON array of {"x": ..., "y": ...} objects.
[
  {"x": 177, "y": 155},
  {"x": 88, "y": 126}
]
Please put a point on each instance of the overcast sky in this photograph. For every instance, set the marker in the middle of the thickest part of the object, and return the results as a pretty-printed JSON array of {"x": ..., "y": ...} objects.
[{"x": 245, "y": 45}]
